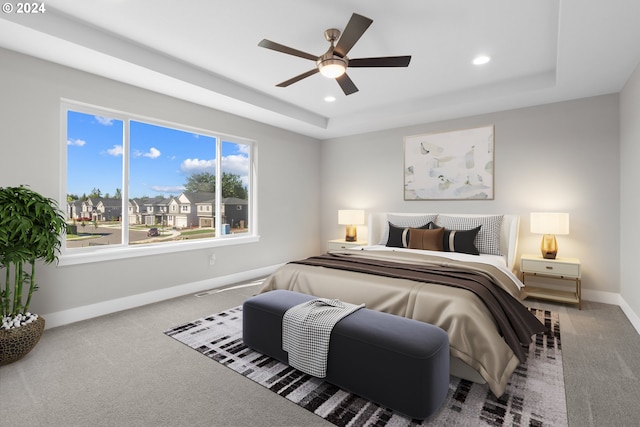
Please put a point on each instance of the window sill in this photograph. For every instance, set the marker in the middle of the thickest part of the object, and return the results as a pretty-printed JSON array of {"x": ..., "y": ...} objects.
[{"x": 99, "y": 254}]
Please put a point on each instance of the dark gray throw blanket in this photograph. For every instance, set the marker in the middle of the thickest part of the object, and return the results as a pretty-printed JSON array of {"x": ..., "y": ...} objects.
[{"x": 515, "y": 323}]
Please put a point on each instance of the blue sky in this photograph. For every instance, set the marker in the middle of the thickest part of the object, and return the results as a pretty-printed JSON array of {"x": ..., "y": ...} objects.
[{"x": 160, "y": 162}]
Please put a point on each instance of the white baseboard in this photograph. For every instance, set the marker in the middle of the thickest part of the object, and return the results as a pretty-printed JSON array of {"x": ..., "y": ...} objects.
[
  {"x": 614, "y": 299},
  {"x": 601, "y": 296},
  {"x": 631, "y": 315},
  {"x": 77, "y": 314},
  {"x": 107, "y": 307}
]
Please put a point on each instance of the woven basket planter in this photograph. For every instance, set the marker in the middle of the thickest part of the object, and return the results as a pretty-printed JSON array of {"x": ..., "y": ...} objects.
[{"x": 16, "y": 343}]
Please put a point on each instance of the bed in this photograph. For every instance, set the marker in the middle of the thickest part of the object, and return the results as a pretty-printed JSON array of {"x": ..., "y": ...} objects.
[{"x": 401, "y": 272}]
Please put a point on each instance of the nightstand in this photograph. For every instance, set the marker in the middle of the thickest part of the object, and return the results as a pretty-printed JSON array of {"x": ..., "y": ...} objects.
[
  {"x": 559, "y": 268},
  {"x": 339, "y": 244}
]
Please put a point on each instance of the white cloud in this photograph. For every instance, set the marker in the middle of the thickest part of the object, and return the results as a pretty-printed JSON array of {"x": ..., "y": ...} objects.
[
  {"x": 104, "y": 120},
  {"x": 236, "y": 164},
  {"x": 243, "y": 148},
  {"x": 115, "y": 151},
  {"x": 153, "y": 153},
  {"x": 190, "y": 166},
  {"x": 76, "y": 142}
]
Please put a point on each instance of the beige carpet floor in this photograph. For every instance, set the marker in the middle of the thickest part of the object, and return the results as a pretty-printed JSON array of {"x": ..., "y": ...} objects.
[{"x": 121, "y": 370}]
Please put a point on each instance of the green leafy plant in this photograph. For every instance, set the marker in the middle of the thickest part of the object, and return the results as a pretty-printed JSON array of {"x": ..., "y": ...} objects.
[{"x": 31, "y": 227}]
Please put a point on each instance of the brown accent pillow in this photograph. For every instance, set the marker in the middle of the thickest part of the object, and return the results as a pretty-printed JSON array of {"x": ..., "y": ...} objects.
[{"x": 430, "y": 240}]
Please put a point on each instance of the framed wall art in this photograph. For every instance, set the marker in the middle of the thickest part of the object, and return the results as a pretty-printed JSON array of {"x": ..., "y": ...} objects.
[{"x": 456, "y": 165}]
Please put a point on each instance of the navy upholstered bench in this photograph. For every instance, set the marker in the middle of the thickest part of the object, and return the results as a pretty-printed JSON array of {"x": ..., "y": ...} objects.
[{"x": 399, "y": 363}]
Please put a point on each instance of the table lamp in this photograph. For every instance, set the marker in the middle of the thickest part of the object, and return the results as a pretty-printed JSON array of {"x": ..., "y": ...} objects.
[
  {"x": 351, "y": 218},
  {"x": 549, "y": 224}
]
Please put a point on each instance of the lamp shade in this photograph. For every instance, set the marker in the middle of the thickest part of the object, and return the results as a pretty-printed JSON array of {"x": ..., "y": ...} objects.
[
  {"x": 549, "y": 223},
  {"x": 350, "y": 217}
]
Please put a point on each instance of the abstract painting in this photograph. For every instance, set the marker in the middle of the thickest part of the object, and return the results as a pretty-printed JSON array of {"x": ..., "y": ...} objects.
[{"x": 456, "y": 165}]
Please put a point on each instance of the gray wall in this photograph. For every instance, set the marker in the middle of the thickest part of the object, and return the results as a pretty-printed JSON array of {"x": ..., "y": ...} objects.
[
  {"x": 563, "y": 157},
  {"x": 629, "y": 190},
  {"x": 558, "y": 157},
  {"x": 288, "y": 182}
]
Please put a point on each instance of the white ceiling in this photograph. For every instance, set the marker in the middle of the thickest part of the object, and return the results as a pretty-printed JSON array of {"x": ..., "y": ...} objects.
[{"x": 206, "y": 51}]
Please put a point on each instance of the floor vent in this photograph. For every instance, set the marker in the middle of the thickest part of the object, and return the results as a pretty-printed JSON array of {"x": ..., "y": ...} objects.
[{"x": 218, "y": 290}]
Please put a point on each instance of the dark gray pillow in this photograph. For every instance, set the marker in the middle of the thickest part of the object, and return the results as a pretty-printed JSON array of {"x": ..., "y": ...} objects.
[
  {"x": 399, "y": 236},
  {"x": 488, "y": 238},
  {"x": 460, "y": 240}
]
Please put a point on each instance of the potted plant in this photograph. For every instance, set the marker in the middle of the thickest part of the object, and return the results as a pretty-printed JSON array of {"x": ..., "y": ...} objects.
[{"x": 31, "y": 227}]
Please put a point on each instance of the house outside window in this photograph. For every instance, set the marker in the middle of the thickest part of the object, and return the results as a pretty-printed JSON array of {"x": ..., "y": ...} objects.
[{"x": 167, "y": 169}]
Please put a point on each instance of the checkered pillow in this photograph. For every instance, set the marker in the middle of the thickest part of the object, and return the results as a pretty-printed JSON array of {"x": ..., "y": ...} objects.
[
  {"x": 411, "y": 221},
  {"x": 488, "y": 239}
]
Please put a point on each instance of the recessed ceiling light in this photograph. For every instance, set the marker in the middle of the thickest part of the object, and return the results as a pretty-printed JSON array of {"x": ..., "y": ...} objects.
[
  {"x": 480, "y": 60},
  {"x": 329, "y": 98}
]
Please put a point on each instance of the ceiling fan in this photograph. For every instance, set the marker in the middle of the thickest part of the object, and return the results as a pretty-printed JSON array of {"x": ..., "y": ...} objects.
[{"x": 334, "y": 62}]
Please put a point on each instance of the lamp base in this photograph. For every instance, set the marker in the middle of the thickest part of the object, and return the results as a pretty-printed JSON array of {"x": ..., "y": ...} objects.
[
  {"x": 549, "y": 246},
  {"x": 351, "y": 235}
]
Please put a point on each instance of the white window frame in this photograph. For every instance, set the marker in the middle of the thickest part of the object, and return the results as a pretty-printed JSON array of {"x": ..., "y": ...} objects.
[{"x": 113, "y": 252}]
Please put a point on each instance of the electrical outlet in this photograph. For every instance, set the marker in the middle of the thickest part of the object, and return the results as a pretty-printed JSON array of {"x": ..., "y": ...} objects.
[{"x": 212, "y": 259}]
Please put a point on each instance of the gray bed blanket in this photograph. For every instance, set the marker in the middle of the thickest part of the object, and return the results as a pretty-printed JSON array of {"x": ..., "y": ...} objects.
[{"x": 515, "y": 323}]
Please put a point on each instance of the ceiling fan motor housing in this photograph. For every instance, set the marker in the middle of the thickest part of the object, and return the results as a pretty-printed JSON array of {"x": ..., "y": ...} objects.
[{"x": 332, "y": 34}]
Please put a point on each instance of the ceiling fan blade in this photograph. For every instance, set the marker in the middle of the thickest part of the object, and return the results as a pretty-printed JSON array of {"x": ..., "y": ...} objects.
[
  {"x": 298, "y": 78},
  {"x": 386, "y": 61},
  {"x": 355, "y": 28},
  {"x": 347, "y": 85},
  {"x": 286, "y": 49}
]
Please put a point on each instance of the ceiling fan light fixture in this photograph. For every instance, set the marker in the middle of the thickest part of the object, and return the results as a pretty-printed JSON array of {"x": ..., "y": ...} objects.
[{"x": 332, "y": 67}]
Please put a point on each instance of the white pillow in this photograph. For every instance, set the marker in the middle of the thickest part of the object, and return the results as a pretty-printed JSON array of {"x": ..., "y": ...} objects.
[{"x": 488, "y": 239}]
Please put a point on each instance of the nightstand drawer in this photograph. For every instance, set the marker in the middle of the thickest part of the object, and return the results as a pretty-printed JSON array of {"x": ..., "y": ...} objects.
[
  {"x": 551, "y": 268},
  {"x": 340, "y": 244}
]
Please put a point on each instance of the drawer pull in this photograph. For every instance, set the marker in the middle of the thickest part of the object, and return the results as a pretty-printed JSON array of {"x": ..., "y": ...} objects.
[{"x": 548, "y": 267}]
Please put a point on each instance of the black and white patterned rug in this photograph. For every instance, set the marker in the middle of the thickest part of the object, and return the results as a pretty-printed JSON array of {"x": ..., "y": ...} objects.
[{"x": 535, "y": 395}]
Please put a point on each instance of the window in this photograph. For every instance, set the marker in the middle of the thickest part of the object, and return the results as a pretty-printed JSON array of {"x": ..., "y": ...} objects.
[{"x": 133, "y": 182}]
